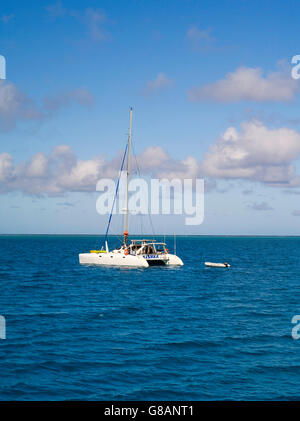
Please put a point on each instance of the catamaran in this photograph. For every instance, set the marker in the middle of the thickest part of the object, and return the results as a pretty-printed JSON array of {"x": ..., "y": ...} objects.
[{"x": 136, "y": 253}]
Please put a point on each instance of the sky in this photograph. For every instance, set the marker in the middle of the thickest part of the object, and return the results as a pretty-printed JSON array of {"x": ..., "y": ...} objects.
[{"x": 212, "y": 94}]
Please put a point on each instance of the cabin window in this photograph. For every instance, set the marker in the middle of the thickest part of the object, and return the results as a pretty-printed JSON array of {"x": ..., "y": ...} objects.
[{"x": 149, "y": 250}]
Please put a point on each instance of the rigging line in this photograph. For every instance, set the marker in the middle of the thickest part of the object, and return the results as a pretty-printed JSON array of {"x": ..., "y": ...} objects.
[
  {"x": 139, "y": 174},
  {"x": 115, "y": 231},
  {"x": 116, "y": 192},
  {"x": 115, "y": 234}
]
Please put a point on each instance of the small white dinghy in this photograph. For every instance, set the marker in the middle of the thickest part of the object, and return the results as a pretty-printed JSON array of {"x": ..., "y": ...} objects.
[{"x": 217, "y": 265}]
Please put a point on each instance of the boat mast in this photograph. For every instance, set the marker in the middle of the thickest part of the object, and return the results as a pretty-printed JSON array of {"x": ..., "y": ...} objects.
[{"x": 127, "y": 184}]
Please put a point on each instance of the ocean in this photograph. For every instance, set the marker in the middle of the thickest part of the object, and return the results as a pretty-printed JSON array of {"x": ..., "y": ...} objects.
[{"x": 188, "y": 333}]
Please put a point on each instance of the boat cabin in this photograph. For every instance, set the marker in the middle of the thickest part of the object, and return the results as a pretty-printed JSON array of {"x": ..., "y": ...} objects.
[{"x": 147, "y": 247}]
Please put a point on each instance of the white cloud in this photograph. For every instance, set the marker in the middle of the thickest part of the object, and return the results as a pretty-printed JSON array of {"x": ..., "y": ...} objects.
[
  {"x": 56, "y": 10},
  {"x": 248, "y": 83},
  {"x": 16, "y": 106},
  {"x": 83, "y": 175},
  {"x": 55, "y": 174},
  {"x": 92, "y": 19},
  {"x": 80, "y": 96},
  {"x": 6, "y": 164},
  {"x": 157, "y": 161},
  {"x": 62, "y": 171},
  {"x": 199, "y": 39},
  {"x": 262, "y": 206},
  {"x": 37, "y": 166},
  {"x": 158, "y": 84},
  {"x": 186, "y": 168},
  {"x": 255, "y": 153},
  {"x": 153, "y": 157}
]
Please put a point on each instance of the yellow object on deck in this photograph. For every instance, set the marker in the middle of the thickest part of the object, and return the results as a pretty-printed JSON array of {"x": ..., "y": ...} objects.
[{"x": 97, "y": 251}]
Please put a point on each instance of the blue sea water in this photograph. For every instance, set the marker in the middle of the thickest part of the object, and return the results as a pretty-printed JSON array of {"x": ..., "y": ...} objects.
[{"x": 188, "y": 333}]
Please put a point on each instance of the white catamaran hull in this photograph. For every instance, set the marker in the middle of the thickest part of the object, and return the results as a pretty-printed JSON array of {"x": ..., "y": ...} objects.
[
  {"x": 112, "y": 259},
  {"x": 119, "y": 259},
  {"x": 174, "y": 260}
]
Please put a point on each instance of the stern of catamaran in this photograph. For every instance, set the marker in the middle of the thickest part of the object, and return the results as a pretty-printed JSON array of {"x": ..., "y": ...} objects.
[{"x": 156, "y": 254}]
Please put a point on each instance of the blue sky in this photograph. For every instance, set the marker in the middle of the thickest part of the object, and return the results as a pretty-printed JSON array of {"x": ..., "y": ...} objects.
[{"x": 208, "y": 80}]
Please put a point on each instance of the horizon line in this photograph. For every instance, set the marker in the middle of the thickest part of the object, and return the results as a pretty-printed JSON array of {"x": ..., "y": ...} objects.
[{"x": 154, "y": 235}]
